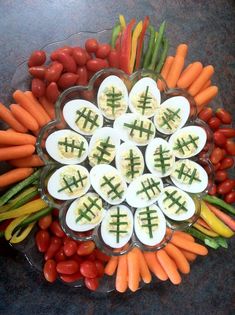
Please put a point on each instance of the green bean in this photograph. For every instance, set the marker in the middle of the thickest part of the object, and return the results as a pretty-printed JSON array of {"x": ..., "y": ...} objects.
[
  {"x": 157, "y": 46},
  {"x": 25, "y": 199},
  {"x": 2, "y": 233},
  {"x": 150, "y": 47},
  {"x": 219, "y": 202},
  {"x": 209, "y": 241},
  {"x": 163, "y": 55},
  {"x": 115, "y": 32}
]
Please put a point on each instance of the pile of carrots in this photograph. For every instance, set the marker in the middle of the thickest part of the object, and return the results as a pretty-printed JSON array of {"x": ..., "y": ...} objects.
[
  {"x": 195, "y": 77},
  {"x": 167, "y": 263}
]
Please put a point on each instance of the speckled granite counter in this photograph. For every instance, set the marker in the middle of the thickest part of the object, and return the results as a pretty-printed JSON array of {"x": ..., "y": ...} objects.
[{"x": 208, "y": 27}]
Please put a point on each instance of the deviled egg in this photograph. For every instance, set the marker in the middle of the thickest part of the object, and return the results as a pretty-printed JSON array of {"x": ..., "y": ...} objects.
[
  {"x": 150, "y": 225},
  {"x": 189, "y": 176},
  {"x": 176, "y": 204},
  {"x": 144, "y": 190},
  {"x": 67, "y": 146},
  {"x": 85, "y": 213},
  {"x": 129, "y": 161},
  {"x": 69, "y": 182},
  {"x": 112, "y": 97},
  {"x": 82, "y": 116},
  {"x": 117, "y": 226},
  {"x": 144, "y": 97}
]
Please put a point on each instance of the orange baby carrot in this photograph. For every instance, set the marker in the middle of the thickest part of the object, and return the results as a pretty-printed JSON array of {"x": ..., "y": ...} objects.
[
  {"x": 14, "y": 176},
  {"x": 34, "y": 100},
  {"x": 144, "y": 270},
  {"x": 154, "y": 265},
  {"x": 169, "y": 266},
  {"x": 203, "y": 223},
  {"x": 48, "y": 106},
  {"x": 182, "y": 50},
  {"x": 180, "y": 260},
  {"x": 16, "y": 138},
  {"x": 24, "y": 117},
  {"x": 111, "y": 266},
  {"x": 206, "y": 85},
  {"x": 122, "y": 274},
  {"x": 165, "y": 70},
  {"x": 8, "y": 118},
  {"x": 190, "y": 75},
  {"x": 29, "y": 161},
  {"x": 204, "y": 76},
  {"x": 186, "y": 69},
  {"x": 133, "y": 271},
  {"x": 229, "y": 221},
  {"x": 185, "y": 235},
  {"x": 175, "y": 71},
  {"x": 206, "y": 95},
  {"x": 188, "y": 245},
  {"x": 188, "y": 255},
  {"x": 18, "y": 151}
]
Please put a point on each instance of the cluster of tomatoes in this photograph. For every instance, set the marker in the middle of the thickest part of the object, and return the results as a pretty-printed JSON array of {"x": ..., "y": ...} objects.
[
  {"x": 69, "y": 66},
  {"x": 66, "y": 258},
  {"x": 222, "y": 156}
]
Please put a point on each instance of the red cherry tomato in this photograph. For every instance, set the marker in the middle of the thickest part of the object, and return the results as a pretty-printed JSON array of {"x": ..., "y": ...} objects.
[
  {"x": 91, "y": 284},
  {"x": 221, "y": 176},
  {"x": 228, "y": 132},
  {"x": 212, "y": 190},
  {"x": 49, "y": 270},
  {"x": 96, "y": 64},
  {"x": 100, "y": 268},
  {"x": 91, "y": 257},
  {"x": 226, "y": 163},
  {"x": 219, "y": 138},
  {"x": 91, "y": 45},
  {"x": 216, "y": 155},
  {"x": 60, "y": 255},
  {"x": 78, "y": 258},
  {"x": 86, "y": 248},
  {"x": 101, "y": 256},
  {"x": 230, "y": 147},
  {"x": 52, "y": 92},
  {"x": 226, "y": 186},
  {"x": 113, "y": 59},
  {"x": 53, "y": 72},
  {"x": 38, "y": 87},
  {"x": 214, "y": 123},
  {"x": 53, "y": 248},
  {"x": 67, "y": 61},
  {"x": 230, "y": 197},
  {"x": 37, "y": 58},
  {"x": 88, "y": 269},
  {"x": 80, "y": 56},
  {"x": 71, "y": 278},
  {"x": 67, "y": 267},
  {"x": 70, "y": 248},
  {"x": 103, "y": 51},
  {"x": 56, "y": 229},
  {"x": 38, "y": 72},
  {"x": 217, "y": 166},
  {"x": 45, "y": 222},
  {"x": 82, "y": 76},
  {"x": 224, "y": 115},
  {"x": 42, "y": 241},
  {"x": 205, "y": 114},
  {"x": 55, "y": 213},
  {"x": 67, "y": 80}
]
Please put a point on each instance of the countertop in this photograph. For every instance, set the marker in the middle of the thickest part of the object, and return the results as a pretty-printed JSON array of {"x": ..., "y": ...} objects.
[{"x": 208, "y": 27}]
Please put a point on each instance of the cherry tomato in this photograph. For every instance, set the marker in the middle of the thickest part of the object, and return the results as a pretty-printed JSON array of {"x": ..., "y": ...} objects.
[
  {"x": 67, "y": 79},
  {"x": 60, "y": 255},
  {"x": 91, "y": 284},
  {"x": 225, "y": 187},
  {"x": 45, "y": 222},
  {"x": 91, "y": 45},
  {"x": 78, "y": 258},
  {"x": 230, "y": 147},
  {"x": 42, "y": 240},
  {"x": 96, "y": 64},
  {"x": 230, "y": 197},
  {"x": 80, "y": 56},
  {"x": 101, "y": 256},
  {"x": 52, "y": 92},
  {"x": 71, "y": 278},
  {"x": 86, "y": 248},
  {"x": 53, "y": 248},
  {"x": 67, "y": 61},
  {"x": 67, "y": 267},
  {"x": 55, "y": 213},
  {"x": 228, "y": 132},
  {"x": 212, "y": 190},
  {"x": 221, "y": 175},
  {"x": 49, "y": 270},
  {"x": 223, "y": 115},
  {"x": 226, "y": 163},
  {"x": 100, "y": 268},
  {"x": 219, "y": 138},
  {"x": 217, "y": 166},
  {"x": 82, "y": 76},
  {"x": 38, "y": 72},
  {"x": 38, "y": 87},
  {"x": 214, "y": 123},
  {"x": 37, "y": 58},
  {"x": 113, "y": 59},
  {"x": 70, "y": 248},
  {"x": 53, "y": 72},
  {"x": 91, "y": 257},
  {"x": 103, "y": 51},
  {"x": 205, "y": 114},
  {"x": 216, "y": 155},
  {"x": 88, "y": 269},
  {"x": 56, "y": 229}
]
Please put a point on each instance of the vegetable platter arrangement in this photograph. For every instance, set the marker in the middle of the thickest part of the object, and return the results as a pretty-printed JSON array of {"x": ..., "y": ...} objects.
[{"x": 119, "y": 166}]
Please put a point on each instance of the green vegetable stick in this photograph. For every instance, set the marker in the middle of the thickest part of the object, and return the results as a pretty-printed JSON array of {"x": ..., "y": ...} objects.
[
  {"x": 157, "y": 46},
  {"x": 219, "y": 202},
  {"x": 115, "y": 32},
  {"x": 163, "y": 55},
  {"x": 150, "y": 47},
  {"x": 209, "y": 241},
  {"x": 25, "y": 199}
]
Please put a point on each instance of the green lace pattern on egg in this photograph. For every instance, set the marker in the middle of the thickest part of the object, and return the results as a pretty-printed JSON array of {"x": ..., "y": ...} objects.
[
  {"x": 175, "y": 198},
  {"x": 185, "y": 173},
  {"x": 138, "y": 125},
  {"x": 88, "y": 208},
  {"x": 161, "y": 159},
  {"x": 72, "y": 181},
  {"x": 90, "y": 119},
  {"x": 118, "y": 224},
  {"x": 113, "y": 99},
  {"x": 149, "y": 186},
  {"x": 144, "y": 101},
  {"x": 116, "y": 191},
  {"x": 148, "y": 220},
  {"x": 185, "y": 144},
  {"x": 71, "y": 146},
  {"x": 168, "y": 117},
  {"x": 103, "y": 151},
  {"x": 133, "y": 162}
]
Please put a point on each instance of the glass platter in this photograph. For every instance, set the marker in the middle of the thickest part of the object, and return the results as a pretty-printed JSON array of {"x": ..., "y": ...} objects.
[{"x": 21, "y": 80}]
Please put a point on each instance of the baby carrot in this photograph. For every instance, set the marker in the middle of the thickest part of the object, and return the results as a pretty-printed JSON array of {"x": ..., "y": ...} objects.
[
  {"x": 29, "y": 161},
  {"x": 48, "y": 106},
  {"x": 14, "y": 176},
  {"x": 188, "y": 245},
  {"x": 206, "y": 85},
  {"x": 16, "y": 138},
  {"x": 204, "y": 76},
  {"x": 186, "y": 69},
  {"x": 24, "y": 117},
  {"x": 154, "y": 265},
  {"x": 165, "y": 70},
  {"x": 203, "y": 223},
  {"x": 30, "y": 95},
  {"x": 169, "y": 266},
  {"x": 8, "y": 118},
  {"x": 175, "y": 71},
  {"x": 18, "y": 151},
  {"x": 185, "y": 235},
  {"x": 144, "y": 270},
  {"x": 111, "y": 266},
  {"x": 229, "y": 221},
  {"x": 133, "y": 271},
  {"x": 206, "y": 95},
  {"x": 190, "y": 75},
  {"x": 182, "y": 50},
  {"x": 178, "y": 257},
  {"x": 188, "y": 255},
  {"x": 121, "y": 276}
]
